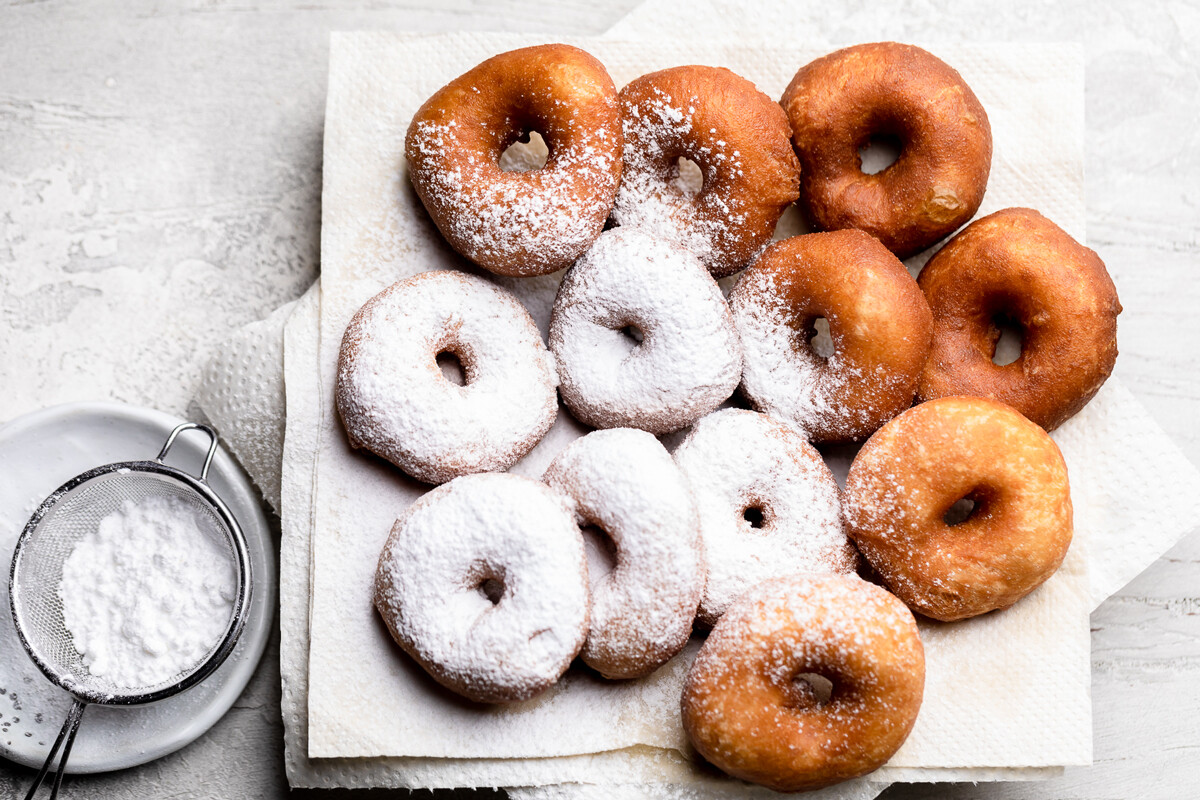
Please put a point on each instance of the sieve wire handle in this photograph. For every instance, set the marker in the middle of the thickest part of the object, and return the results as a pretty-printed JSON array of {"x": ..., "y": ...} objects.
[
  {"x": 69, "y": 729},
  {"x": 187, "y": 426}
]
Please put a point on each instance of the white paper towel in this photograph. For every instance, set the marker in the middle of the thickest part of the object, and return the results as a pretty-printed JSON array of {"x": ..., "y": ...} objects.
[
  {"x": 1113, "y": 572},
  {"x": 367, "y": 699}
]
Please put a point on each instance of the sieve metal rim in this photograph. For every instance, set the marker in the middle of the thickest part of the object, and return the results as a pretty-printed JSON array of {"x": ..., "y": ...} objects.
[{"x": 241, "y": 560}]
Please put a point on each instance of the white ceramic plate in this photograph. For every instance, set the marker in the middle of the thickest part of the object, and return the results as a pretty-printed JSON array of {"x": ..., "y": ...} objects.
[{"x": 38, "y": 453}]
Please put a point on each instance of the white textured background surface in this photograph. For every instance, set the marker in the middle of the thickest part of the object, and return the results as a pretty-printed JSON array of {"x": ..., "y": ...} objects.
[{"x": 160, "y": 184}]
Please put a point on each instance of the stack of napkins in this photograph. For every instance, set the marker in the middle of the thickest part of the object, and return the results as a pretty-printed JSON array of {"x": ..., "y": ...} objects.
[{"x": 1007, "y": 694}]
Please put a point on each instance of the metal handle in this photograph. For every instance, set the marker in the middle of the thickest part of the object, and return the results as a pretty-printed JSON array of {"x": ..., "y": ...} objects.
[
  {"x": 187, "y": 426},
  {"x": 67, "y": 733}
]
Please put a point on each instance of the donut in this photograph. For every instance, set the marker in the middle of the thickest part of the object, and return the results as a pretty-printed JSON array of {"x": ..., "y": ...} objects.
[
  {"x": 737, "y": 137},
  {"x": 510, "y": 222},
  {"x": 688, "y": 360},
  {"x": 483, "y": 581},
  {"x": 1018, "y": 265},
  {"x": 768, "y": 505},
  {"x": 839, "y": 102},
  {"x": 905, "y": 479},
  {"x": 878, "y": 320},
  {"x": 807, "y": 681},
  {"x": 624, "y": 482},
  {"x": 394, "y": 400}
]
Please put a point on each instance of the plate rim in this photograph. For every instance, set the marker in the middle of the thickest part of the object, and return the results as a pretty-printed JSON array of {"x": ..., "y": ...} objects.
[{"x": 257, "y": 634}]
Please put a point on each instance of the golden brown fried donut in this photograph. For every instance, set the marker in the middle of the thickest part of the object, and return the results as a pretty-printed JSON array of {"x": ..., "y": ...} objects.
[
  {"x": 750, "y": 708},
  {"x": 909, "y": 474},
  {"x": 735, "y": 134},
  {"x": 520, "y": 223},
  {"x": 878, "y": 319},
  {"x": 1016, "y": 264},
  {"x": 839, "y": 102}
]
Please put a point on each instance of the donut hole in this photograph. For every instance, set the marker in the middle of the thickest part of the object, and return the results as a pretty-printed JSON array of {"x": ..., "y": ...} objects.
[
  {"x": 492, "y": 589},
  {"x": 791, "y": 223},
  {"x": 809, "y": 689},
  {"x": 452, "y": 368},
  {"x": 528, "y": 153},
  {"x": 962, "y": 509},
  {"x": 879, "y": 152},
  {"x": 1009, "y": 340},
  {"x": 631, "y": 336},
  {"x": 633, "y": 333},
  {"x": 601, "y": 553},
  {"x": 687, "y": 177},
  {"x": 756, "y": 516},
  {"x": 820, "y": 341}
]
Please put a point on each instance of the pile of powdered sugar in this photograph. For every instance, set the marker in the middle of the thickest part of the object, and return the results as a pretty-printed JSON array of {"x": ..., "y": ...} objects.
[{"x": 149, "y": 593}]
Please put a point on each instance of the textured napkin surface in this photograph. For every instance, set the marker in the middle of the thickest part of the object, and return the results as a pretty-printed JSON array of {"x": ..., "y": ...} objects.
[
  {"x": 241, "y": 391},
  {"x": 1009, "y": 689},
  {"x": 1157, "y": 512}
]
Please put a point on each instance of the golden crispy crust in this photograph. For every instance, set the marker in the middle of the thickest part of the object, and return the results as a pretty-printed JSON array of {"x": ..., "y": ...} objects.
[
  {"x": 838, "y": 102},
  {"x": 738, "y": 137},
  {"x": 745, "y": 712},
  {"x": 878, "y": 319},
  {"x": 940, "y": 452},
  {"x": 520, "y": 223},
  {"x": 1017, "y": 263}
]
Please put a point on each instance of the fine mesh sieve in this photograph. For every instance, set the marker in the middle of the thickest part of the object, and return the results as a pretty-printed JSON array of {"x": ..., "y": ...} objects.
[{"x": 74, "y": 511}]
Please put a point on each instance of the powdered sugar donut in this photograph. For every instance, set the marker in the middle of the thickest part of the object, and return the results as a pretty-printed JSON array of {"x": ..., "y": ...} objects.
[
  {"x": 689, "y": 359},
  {"x": 624, "y": 482},
  {"x": 394, "y": 400},
  {"x": 509, "y": 222},
  {"x": 768, "y": 505},
  {"x": 483, "y": 581},
  {"x": 738, "y": 138},
  {"x": 878, "y": 319}
]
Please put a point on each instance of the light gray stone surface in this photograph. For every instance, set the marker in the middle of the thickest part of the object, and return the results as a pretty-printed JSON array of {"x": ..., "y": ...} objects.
[{"x": 160, "y": 185}]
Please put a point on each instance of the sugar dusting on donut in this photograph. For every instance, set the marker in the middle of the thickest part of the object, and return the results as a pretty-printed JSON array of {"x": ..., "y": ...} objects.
[
  {"x": 668, "y": 204},
  {"x": 626, "y": 483},
  {"x": 746, "y": 712},
  {"x": 737, "y": 460},
  {"x": 786, "y": 377},
  {"x": 431, "y": 586},
  {"x": 689, "y": 360},
  {"x": 546, "y": 221},
  {"x": 917, "y": 466},
  {"x": 395, "y": 402}
]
